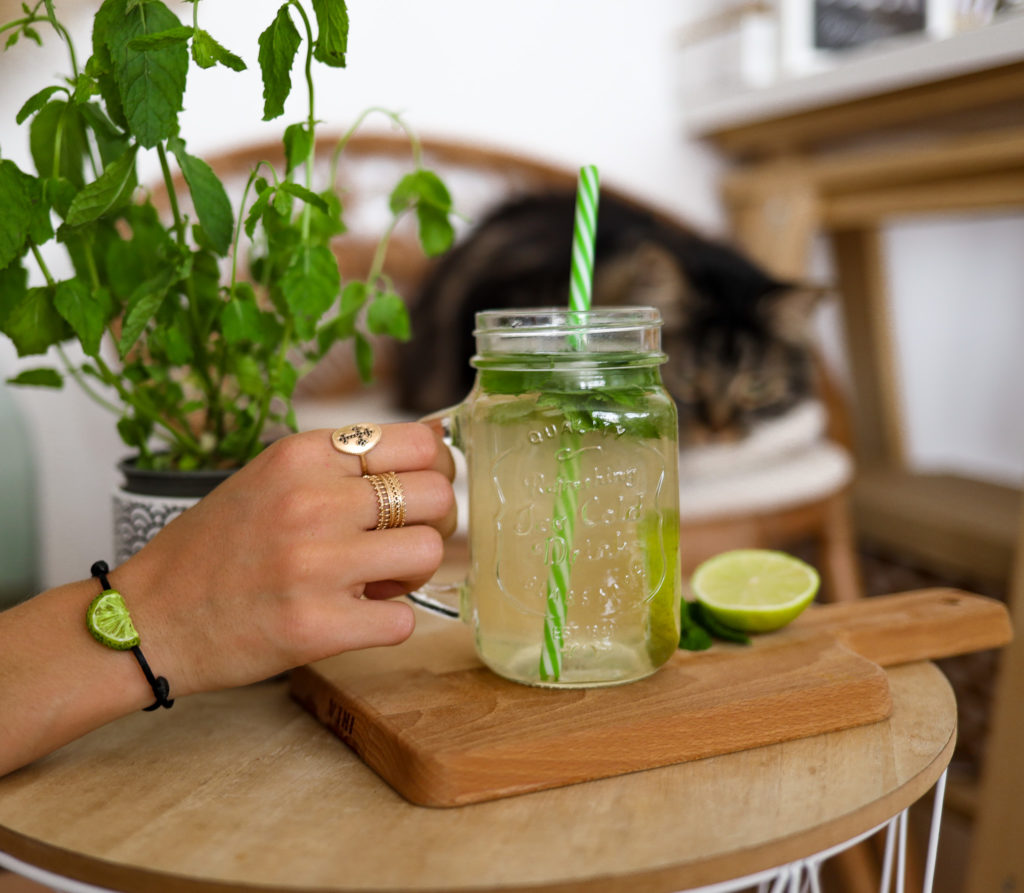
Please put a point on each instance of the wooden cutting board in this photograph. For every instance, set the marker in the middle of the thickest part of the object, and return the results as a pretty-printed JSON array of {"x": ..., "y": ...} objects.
[{"x": 444, "y": 731}]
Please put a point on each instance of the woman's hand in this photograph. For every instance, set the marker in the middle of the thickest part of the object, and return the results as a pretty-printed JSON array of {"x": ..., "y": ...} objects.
[{"x": 281, "y": 564}]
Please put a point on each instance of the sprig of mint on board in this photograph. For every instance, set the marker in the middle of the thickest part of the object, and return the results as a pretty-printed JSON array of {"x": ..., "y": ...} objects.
[
  {"x": 207, "y": 361},
  {"x": 699, "y": 628}
]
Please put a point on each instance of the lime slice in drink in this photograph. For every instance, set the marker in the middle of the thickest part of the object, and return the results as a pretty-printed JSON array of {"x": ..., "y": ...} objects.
[
  {"x": 109, "y": 623},
  {"x": 754, "y": 590}
]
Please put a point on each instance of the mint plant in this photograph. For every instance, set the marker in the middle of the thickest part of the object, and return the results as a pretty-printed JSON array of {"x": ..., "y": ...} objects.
[{"x": 212, "y": 319}]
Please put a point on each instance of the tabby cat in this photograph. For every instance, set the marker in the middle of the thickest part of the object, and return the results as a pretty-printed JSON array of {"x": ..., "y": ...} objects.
[{"x": 736, "y": 338}]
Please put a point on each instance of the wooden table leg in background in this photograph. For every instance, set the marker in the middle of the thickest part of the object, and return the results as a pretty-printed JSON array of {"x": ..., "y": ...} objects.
[{"x": 997, "y": 853}]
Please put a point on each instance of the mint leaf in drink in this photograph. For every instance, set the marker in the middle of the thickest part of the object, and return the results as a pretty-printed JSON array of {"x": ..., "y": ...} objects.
[
  {"x": 332, "y": 32},
  {"x": 33, "y": 324},
  {"x": 278, "y": 45},
  {"x": 151, "y": 82},
  {"x": 309, "y": 287},
  {"x": 109, "y": 190},
  {"x": 213, "y": 207},
  {"x": 86, "y": 312},
  {"x": 387, "y": 315},
  {"x": 39, "y": 378}
]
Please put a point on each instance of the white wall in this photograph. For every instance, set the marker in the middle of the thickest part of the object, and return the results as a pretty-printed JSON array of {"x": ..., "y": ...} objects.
[
  {"x": 577, "y": 81},
  {"x": 573, "y": 81}
]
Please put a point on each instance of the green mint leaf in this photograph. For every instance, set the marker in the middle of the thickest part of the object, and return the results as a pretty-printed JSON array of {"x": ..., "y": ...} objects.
[
  {"x": 258, "y": 207},
  {"x": 207, "y": 52},
  {"x": 240, "y": 321},
  {"x": 33, "y": 324},
  {"x": 134, "y": 432},
  {"x": 161, "y": 39},
  {"x": 388, "y": 315},
  {"x": 435, "y": 231},
  {"x": 151, "y": 82},
  {"x": 100, "y": 66},
  {"x": 86, "y": 312},
  {"x": 213, "y": 207},
  {"x": 284, "y": 379},
  {"x": 143, "y": 306},
  {"x": 332, "y": 32},
  {"x": 58, "y": 143},
  {"x": 59, "y": 193},
  {"x": 13, "y": 285},
  {"x": 340, "y": 328},
  {"x": 714, "y": 626},
  {"x": 39, "y": 378},
  {"x": 12, "y": 39},
  {"x": 110, "y": 141},
  {"x": 104, "y": 193},
  {"x": 85, "y": 88},
  {"x": 364, "y": 357},
  {"x": 35, "y": 102},
  {"x": 421, "y": 187},
  {"x": 693, "y": 636},
  {"x": 297, "y": 143},
  {"x": 306, "y": 195},
  {"x": 323, "y": 225},
  {"x": 353, "y": 296},
  {"x": 278, "y": 46},
  {"x": 310, "y": 286},
  {"x": 432, "y": 191},
  {"x": 250, "y": 376},
  {"x": 16, "y": 219}
]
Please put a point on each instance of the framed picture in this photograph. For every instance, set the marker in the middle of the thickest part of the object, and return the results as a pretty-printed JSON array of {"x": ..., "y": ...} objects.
[{"x": 815, "y": 34}]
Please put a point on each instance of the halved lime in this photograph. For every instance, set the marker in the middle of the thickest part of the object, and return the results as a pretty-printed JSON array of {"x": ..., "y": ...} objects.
[
  {"x": 755, "y": 590},
  {"x": 109, "y": 623}
]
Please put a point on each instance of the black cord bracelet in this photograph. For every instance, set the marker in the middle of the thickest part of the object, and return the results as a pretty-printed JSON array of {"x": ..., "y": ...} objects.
[{"x": 161, "y": 687}]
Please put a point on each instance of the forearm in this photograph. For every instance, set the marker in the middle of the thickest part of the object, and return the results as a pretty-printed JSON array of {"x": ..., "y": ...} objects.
[{"x": 56, "y": 681}]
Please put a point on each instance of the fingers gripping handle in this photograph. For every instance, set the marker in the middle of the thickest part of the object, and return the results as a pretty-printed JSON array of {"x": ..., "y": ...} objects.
[{"x": 442, "y": 598}]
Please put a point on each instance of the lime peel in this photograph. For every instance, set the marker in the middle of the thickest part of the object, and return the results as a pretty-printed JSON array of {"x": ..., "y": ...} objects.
[{"x": 755, "y": 590}]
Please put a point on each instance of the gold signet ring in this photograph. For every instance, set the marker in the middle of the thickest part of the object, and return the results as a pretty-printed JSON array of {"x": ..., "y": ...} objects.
[{"x": 356, "y": 440}]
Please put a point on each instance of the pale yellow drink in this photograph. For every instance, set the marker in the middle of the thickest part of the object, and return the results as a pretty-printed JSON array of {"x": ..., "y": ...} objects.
[{"x": 572, "y": 469}]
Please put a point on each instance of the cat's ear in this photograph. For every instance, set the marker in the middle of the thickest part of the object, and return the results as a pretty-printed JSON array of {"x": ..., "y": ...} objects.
[
  {"x": 649, "y": 276},
  {"x": 789, "y": 311}
]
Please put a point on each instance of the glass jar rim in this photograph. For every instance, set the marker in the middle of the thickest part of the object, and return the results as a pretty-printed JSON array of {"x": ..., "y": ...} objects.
[{"x": 562, "y": 320}]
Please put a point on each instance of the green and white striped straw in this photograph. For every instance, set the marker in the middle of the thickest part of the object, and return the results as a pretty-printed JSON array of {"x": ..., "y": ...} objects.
[
  {"x": 583, "y": 236},
  {"x": 563, "y": 517}
]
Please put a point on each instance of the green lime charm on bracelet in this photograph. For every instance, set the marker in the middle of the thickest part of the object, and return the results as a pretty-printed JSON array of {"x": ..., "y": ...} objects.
[{"x": 110, "y": 624}]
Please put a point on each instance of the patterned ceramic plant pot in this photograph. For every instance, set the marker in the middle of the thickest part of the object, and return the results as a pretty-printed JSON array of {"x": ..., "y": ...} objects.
[{"x": 149, "y": 499}]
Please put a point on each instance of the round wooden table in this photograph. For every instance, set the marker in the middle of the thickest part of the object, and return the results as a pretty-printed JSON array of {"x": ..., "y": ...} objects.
[{"x": 244, "y": 791}]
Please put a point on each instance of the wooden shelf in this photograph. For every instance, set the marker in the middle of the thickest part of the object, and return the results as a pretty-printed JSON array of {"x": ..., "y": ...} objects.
[
  {"x": 954, "y": 524},
  {"x": 900, "y": 65}
]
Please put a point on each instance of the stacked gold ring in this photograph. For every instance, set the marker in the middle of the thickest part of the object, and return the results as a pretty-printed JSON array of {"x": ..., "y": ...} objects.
[{"x": 390, "y": 500}]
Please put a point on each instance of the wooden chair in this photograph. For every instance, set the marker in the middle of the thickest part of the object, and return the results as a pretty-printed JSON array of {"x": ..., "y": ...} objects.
[{"x": 480, "y": 178}]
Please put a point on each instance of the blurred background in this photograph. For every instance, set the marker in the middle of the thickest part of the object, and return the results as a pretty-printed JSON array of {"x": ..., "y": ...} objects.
[{"x": 794, "y": 129}]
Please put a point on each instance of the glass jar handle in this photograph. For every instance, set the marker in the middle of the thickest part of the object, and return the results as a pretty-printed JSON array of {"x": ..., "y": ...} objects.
[{"x": 442, "y": 598}]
